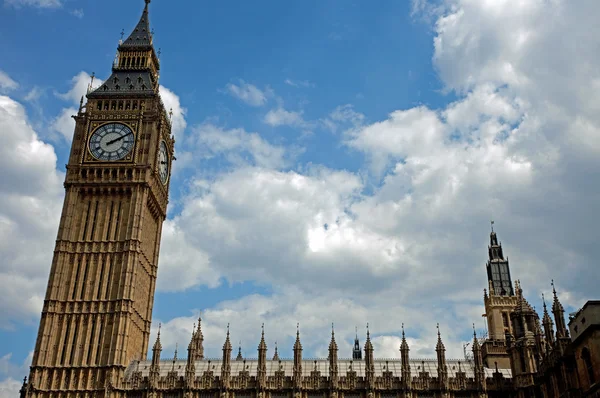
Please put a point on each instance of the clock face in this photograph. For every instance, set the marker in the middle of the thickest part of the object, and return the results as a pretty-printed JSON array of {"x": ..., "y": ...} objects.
[
  {"x": 163, "y": 163},
  {"x": 111, "y": 142}
]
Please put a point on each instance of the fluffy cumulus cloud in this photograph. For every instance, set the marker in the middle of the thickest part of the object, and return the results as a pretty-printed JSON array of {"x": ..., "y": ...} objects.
[
  {"x": 237, "y": 146},
  {"x": 248, "y": 93},
  {"x": 520, "y": 146},
  {"x": 30, "y": 204},
  {"x": 63, "y": 123},
  {"x": 11, "y": 372},
  {"x": 6, "y": 83},
  {"x": 282, "y": 117}
]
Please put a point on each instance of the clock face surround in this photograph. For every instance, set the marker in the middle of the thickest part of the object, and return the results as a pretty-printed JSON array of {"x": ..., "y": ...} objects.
[
  {"x": 112, "y": 142},
  {"x": 163, "y": 163}
]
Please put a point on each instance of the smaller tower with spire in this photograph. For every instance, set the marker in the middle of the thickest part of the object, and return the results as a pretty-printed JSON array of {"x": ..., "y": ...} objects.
[
  {"x": 297, "y": 377},
  {"x": 154, "y": 373},
  {"x": 440, "y": 350},
  {"x": 369, "y": 361},
  {"x": 405, "y": 362},
  {"x": 226, "y": 365},
  {"x": 548, "y": 326},
  {"x": 333, "y": 360},
  {"x": 262, "y": 360},
  {"x": 478, "y": 363},
  {"x": 357, "y": 351},
  {"x": 559, "y": 316}
]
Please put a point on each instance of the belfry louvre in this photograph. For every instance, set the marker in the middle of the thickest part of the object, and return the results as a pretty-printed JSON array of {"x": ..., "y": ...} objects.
[{"x": 97, "y": 313}]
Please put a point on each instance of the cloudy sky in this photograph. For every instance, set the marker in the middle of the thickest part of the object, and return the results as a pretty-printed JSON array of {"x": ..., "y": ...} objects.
[{"x": 338, "y": 161}]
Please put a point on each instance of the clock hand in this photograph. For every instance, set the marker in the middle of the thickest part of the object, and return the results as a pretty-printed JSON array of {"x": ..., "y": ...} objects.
[{"x": 119, "y": 139}]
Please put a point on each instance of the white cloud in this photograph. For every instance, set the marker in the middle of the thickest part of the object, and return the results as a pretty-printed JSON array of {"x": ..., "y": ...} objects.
[
  {"x": 79, "y": 87},
  {"x": 10, "y": 372},
  {"x": 248, "y": 93},
  {"x": 299, "y": 83},
  {"x": 6, "y": 83},
  {"x": 282, "y": 117},
  {"x": 238, "y": 146},
  {"x": 517, "y": 146},
  {"x": 64, "y": 123},
  {"x": 173, "y": 103},
  {"x": 9, "y": 388},
  {"x": 284, "y": 309},
  {"x": 35, "y": 3},
  {"x": 30, "y": 205},
  {"x": 78, "y": 13}
]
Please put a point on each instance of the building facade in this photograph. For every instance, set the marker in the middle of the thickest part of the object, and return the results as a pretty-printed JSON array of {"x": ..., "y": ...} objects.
[{"x": 95, "y": 325}]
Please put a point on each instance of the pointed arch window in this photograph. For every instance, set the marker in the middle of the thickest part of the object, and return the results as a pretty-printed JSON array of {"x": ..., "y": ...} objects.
[{"x": 587, "y": 362}]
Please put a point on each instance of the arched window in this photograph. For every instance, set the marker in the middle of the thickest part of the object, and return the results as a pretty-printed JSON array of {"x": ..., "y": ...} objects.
[{"x": 587, "y": 362}]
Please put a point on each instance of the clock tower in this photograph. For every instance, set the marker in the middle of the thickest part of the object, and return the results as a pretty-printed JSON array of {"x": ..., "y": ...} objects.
[{"x": 98, "y": 305}]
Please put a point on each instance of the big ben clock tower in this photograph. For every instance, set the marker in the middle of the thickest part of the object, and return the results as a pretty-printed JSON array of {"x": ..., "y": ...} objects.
[{"x": 98, "y": 305}]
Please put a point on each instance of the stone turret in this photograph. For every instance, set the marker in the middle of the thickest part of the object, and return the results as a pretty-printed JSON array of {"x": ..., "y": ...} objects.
[
  {"x": 297, "y": 377},
  {"x": 478, "y": 363},
  {"x": 333, "y": 361},
  {"x": 154, "y": 373},
  {"x": 262, "y": 360},
  {"x": 226, "y": 365},
  {"x": 440, "y": 350},
  {"x": 369, "y": 361},
  {"x": 559, "y": 316},
  {"x": 405, "y": 364}
]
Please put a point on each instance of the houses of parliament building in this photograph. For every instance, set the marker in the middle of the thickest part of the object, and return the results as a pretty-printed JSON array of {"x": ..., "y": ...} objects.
[{"x": 96, "y": 317}]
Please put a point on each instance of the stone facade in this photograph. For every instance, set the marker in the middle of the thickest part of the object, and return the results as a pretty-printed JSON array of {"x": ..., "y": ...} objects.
[
  {"x": 97, "y": 311},
  {"x": 95, "y": 324}
]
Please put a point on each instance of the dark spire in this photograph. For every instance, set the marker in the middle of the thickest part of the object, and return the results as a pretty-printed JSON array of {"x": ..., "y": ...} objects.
[
  {"x": 498, "y": 269},
  {"x": 239, "y": 355},
  {"x": 559, "y": 315},
  {"x": 141, "y": 35},
  {"x": 548, "y": 324},
  {"x": 356, "y": 352},
  {"x": 369, "y": 361},
  {"x": 441, "y": 358},
  {"x": 405, "y": 364},
  {"x": 276, "y": 355},
  {"x": 262, "y": 360},
  {"x": 157, "y": 345},
  {"x": 297, "y": 376},
  {"x": 478, "y": 362},
  {"x": 440, "y": 345},
  {"x": 226, "y": 364},
  {"x": 333, "y": 360}
]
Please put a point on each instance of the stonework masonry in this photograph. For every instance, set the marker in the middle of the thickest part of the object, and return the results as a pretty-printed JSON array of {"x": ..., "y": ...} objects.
[{"x": 94, "y": 330}]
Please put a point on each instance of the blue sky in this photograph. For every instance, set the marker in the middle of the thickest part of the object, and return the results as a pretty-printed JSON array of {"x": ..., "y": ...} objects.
[{"x": 337, "y": 161}]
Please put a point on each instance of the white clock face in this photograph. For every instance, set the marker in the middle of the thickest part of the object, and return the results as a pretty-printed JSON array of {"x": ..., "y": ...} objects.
[
  {"x": 163, "y": 163},
  {"x": 111, "y": 142}
]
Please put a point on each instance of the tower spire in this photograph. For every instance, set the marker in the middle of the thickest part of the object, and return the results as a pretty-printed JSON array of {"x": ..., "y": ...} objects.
[
  {"x": 369, "y": 361},
  {"x": 441, "y": 359},
  {"x": 559, "y": 315},
  {"x": 405, "y": 361},
  {"x": 356, "y": 352},
  {"x": 297, "y": 376},
  {"x": 498, "y": 269},
  {"x": 548, "y": 324}
]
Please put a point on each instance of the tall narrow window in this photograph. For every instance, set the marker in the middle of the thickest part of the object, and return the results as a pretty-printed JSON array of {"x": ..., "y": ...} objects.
[
  {"x": 118, "y": 222},
  {"x": 85, "y": 272},
  {"x": 101, "y": 279},
  {"x": 85, "y": 223},
  {"x": 74, "y": 343},
  {"x": 76, "y": 281},
  {"x": 99, "y": 346},
  {"x": 587, "y": 362},
  {"x": 90, "y": 346},
  {"x": 64, "y": 345},
  {"x": 110, "y": 218},
  {"x": 505, "y": 319}
]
